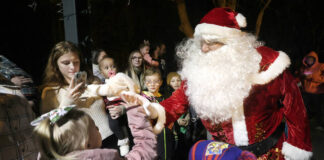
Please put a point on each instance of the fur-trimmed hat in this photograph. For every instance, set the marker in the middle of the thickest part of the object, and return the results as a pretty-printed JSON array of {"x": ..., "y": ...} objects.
[
  {"x": 214, "y": 150},
  {"x": 220, "y": 23}
]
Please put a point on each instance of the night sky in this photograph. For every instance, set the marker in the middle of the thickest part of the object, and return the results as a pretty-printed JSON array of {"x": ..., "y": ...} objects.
[{"x": 28, "y": 34}]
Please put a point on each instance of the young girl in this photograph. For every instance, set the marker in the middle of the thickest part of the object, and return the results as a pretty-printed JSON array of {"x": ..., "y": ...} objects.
[
  {"x": 153, "y": 82},
  {"x": 145, "y": 49},
  {"x": 180, "y": 128},
  {"x": 68, "y": 133},
  {"x": 59, "y": 88},
  {"x": 116, "y": 111}
]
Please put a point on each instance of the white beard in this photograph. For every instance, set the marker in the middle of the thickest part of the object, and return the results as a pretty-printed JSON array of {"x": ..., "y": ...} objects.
[{"x": 218, "y": 82}]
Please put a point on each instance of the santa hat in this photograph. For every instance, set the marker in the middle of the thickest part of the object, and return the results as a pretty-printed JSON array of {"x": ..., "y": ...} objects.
[
  {"x": 214, "y": 150},
  {"x": 220, "y": 23}
]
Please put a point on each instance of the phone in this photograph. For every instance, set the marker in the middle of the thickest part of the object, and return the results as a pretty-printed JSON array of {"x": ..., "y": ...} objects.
[{"x": 80, "y": 77}]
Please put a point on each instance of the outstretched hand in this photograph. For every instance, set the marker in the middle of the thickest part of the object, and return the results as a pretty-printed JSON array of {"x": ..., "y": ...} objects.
[
  {"x": 114, "y": 86},
  {"x": 152, "y": 110}
]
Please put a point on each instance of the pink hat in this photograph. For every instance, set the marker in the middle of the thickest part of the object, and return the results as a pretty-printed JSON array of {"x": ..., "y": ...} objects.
[{"x": 220, "y": 23}]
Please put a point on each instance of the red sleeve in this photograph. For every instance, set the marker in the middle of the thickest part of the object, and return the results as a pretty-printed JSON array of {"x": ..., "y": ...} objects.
[
  {"x": 295, "y": 114},
  {"x": 176, "y": 104}
]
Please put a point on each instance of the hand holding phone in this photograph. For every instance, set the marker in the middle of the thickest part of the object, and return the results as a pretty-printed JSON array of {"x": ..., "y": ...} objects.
[{"x": 80, "y": 77}]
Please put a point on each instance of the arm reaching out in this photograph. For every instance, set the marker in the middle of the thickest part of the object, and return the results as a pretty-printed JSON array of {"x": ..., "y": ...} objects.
[
  {"x": 114, "y": 86},
  {"x": 153, "y": 110}
]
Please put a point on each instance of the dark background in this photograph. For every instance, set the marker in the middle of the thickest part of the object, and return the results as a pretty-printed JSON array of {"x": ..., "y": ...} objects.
[{"x": 28, "y": 33}]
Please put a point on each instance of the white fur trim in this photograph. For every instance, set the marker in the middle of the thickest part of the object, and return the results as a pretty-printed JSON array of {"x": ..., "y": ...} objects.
[
  {"x": 275, "y": 69},
  {"x": 160, "y": 119},
  {"x": 239, "y": 127},
  {"x": 294, "y": 153},
  {"x": 241, "y": 20},
  {"x": 216, "y": 31}
]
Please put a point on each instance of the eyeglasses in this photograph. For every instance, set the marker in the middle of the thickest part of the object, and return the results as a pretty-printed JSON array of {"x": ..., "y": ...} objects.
[
  {"x": 153, "y": 82},
  {"x": 138, "y": 58}
]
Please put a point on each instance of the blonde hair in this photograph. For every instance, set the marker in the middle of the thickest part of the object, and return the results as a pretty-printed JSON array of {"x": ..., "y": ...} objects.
[
  {"x": 151, "y": 71},
  {"x": 131, "y": 70},
  {"x": 70, "y": 133},
  {"x": 171, "y": 75}
]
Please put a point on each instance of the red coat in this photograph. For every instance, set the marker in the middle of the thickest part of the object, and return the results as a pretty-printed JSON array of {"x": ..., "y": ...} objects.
[{"x": 274, "y": 98}]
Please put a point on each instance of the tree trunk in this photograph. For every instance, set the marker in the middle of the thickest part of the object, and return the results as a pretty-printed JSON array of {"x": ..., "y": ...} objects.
[
  {"x": 260, "y": 17},
  {"x": 232, "y": 4},
  {"x": 185, "y": 25},
  {"x": 221, "y": 3}
]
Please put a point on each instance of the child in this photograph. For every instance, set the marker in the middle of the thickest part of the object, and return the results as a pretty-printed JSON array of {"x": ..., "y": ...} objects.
[
  {"x": 116, "y": 112},
  {"x": 180, "y": 128},
  {"x": 145, "y": 49},
  {"x": 153, "y": 82},
  {"x": 173, "y": 83},
  {"x": 68, "y": 133}
]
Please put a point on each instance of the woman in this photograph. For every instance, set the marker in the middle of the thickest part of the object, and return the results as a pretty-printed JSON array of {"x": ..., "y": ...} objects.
[
  {"x": 136, "y": 68},
  {"x": 59, "y": 88}
]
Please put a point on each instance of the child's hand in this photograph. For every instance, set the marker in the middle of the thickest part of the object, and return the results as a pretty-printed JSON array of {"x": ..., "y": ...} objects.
[
  {"x": 153, "y": 110},
  {"x": 114, "y": 86},
  {"x": 115, "y": 111}
]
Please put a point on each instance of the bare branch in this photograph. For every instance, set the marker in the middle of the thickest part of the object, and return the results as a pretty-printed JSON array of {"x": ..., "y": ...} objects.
[{"x": 260, "y": 17}]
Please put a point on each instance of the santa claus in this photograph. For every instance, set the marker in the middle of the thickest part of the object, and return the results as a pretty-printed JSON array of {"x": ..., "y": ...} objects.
[{"x": 241, "y": 90}]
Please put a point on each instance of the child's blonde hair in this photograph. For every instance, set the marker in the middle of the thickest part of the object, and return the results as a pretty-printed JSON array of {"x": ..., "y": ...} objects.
[
  {"x": 70, "y": 133},
  {"x": 171, "y": 75},
  {"x": 151, "y": 71}
]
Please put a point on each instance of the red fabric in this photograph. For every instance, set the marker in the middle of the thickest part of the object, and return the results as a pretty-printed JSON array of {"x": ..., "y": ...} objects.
[
  {"x": 176, "y": 105},
  {"x": 265, "y": 108},
  {"x": 268, "y": 57},
  {"x": 221, "y": 16}
]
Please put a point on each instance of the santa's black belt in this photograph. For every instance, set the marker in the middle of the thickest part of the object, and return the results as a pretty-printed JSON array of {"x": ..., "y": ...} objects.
[{"x": 265, "y": 145}]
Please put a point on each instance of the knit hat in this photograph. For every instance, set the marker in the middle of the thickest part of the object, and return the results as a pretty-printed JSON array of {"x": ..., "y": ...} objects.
[
  {"x": 220, "y": 23},
  {"x": 214, "y": 150}
]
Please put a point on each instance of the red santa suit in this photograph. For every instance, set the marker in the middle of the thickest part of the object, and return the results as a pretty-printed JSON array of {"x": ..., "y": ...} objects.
[{"x": 273, "y": 99}]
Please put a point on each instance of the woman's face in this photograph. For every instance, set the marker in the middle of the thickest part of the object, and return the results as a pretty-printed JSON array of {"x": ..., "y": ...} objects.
[
  {"x": 68, "y": 65},
  {"x": 175, "y": 82},
  {"x": 145, "y": 50},
  {"x": 94, "y": 140},
  {"x": 137, "y": 59}
]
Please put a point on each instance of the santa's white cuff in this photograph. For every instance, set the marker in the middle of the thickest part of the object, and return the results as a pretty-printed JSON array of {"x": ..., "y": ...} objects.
[{"x": 293, "y": 153}]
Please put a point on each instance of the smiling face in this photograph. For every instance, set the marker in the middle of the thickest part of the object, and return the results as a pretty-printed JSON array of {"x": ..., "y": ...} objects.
[
  {"x": 107, "y": 67},
  {"x": 153, "y": 83},
  {"x": 68, "y": 65},
  {"x": 175, "y": 82}
]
